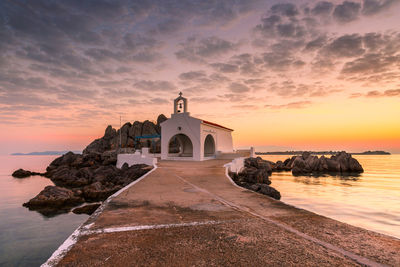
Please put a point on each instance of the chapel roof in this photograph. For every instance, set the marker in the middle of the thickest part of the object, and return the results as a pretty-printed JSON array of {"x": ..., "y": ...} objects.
[{"x": 216, "y": 125}]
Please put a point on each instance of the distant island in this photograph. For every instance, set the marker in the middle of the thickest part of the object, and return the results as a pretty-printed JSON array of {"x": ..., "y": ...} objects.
[
  {"x": 321, "y": 153},
  {"x": 44, "y": 153}
]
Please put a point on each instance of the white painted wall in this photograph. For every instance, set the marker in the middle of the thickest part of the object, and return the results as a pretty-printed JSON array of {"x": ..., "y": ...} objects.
[
  {"x": 133, "y": 159},
  {"x": 223, "y": 138},
  {"x": 197, "y": 133},
  {"x": 236, "y": 165},
  {"x": 189, "y": 126}
]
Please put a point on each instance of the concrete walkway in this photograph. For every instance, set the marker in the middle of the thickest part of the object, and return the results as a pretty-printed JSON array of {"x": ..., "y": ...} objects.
[{"x": 190, "y": 214}]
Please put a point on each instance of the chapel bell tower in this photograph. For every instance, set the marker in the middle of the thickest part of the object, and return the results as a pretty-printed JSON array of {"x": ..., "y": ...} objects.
[{"x": 180, "y": 104}]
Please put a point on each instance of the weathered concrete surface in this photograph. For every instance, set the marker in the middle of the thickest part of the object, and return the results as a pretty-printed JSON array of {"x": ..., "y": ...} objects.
[{"x": 190, "y": 214}]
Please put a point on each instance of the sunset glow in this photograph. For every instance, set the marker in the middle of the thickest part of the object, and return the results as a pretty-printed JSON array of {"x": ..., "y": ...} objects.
[{"x": 283, "y": 74}]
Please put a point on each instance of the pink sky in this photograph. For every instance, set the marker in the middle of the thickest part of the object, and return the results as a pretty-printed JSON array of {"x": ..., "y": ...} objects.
[{"x": 283, "y": 74}]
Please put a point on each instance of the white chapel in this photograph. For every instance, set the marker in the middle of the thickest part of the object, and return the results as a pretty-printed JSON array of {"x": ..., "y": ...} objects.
[{"x": 187, "y": 138}]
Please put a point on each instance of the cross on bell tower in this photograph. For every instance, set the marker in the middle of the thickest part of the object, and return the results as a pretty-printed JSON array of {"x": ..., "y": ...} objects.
[{"x": 180, "y": 104}]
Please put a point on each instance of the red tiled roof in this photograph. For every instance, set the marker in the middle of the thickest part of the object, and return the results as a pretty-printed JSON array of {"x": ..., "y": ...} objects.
[{"x": 216, "y": 125}]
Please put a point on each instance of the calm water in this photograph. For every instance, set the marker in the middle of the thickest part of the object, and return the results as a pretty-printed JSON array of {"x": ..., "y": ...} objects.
[
  {"x": 26, "y": 237},
  {"x": 371, "y": 201}
]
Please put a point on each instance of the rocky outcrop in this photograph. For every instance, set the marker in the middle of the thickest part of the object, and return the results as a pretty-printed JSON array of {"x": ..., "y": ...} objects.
[
  {"x": 255, "y": 177},
  {"x": 127, "y": 134},
  {"x": 341, "y": 163},
  {"x": 54, "y": 199},
  {"x": 80, "y": 178},
  {"x": 21, "y": 173}
]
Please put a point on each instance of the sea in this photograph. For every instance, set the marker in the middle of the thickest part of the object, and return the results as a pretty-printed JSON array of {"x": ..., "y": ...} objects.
[
  {"x": 28, "y": 238},
  {"x": 371, "y": 201}
]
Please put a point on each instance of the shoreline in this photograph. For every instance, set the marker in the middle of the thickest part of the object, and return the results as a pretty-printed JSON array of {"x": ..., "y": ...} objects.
[{"x": 91, "y": 222}]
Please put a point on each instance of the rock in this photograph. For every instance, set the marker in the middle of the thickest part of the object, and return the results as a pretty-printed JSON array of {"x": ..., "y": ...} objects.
[
  {"x": 54, "y": 197},
  {"x": 124, "y": 133},
  {"x": 86, "y": 209},
  {"x": 109, "y": 158},
  {"x": 111, "y": 138},
  {"x": 21, "y": 173},
  {"x": 148, "y": 128},
  {"x": 341, "y": 163},
  {"x": 312, "y": 162},
  {"x": 258, "y": 163},
  {"x": 355, "y": 166},
  {"x": 161, "y": 118},
  {"x": 99, "y": 192},
  {"x": 255, "y": 176},
  {"x": 109, "y": 133},
  {"x": 269, "y": 191},
  {"x": 254, "y": 187},
  {"x": 333, "y": 165},
  {"x": 93, "y": 175},
  {"x": 279, "y": 166},
  {"x": 136, "y": 129},
  {"x": 305, "y": 155},
  {"x": 299, "y": 166}
]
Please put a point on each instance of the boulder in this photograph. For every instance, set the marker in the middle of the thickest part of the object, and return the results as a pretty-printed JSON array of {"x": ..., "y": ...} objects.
[
  {"x": 305, "y": 155},
  {"x": 54, "y": 197},
  {"x": 99, "y": 192},
  {"x": 341, "y": 163},
  {"x": 355, "y": 166},
  {"x": 149, "y": 128},
  {"x": 269, "y": 191},
  {"x": 109, "y": 158},
  {"x": 299, "y": 166},
  {"x": 279, "y": 166},
  {"x": 136, "y": 129},
  {"x": 124, "y": 134},
  {"x": 255, "y": 176},
  {"x": 21, "y": 173},
  {"x": 161, "y": 118},
  {"x": 258, "y": 163},
  {"x": 312, "y": 162},
  {"x": 109, "y": 133}
]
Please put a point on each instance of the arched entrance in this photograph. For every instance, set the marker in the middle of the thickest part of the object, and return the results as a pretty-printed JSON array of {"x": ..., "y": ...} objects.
[
  {"x": 209, "y": 146},
  {"x": 180, "y": 145}
]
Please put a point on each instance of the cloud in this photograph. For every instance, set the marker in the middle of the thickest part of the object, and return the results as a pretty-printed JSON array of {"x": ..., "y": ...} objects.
[
  {"x": 386, "y": 93},
  {"x": 288, "y": 10},
  {"x": 289, "y": 89},
  {"x": 291, "y": 105},
  {"x": 194, "y": 49},
  {"x": 154, "y": 85},
  {"x": 192, "y": 75},
  {"x": 316, "y": 43},
  {"x": 225, "y": 67},
  {"x": 245, "y": 106},
  {"x": 322, "y": 8},
  {"x": 371, "y": 63},
  {"x": 372, "y": 7},
  {"x": 347, "y": 11},
  {"x": 238, "y": 88},
  {"x": 281, "y": 62},
  {"x": 346, "y": 46}
]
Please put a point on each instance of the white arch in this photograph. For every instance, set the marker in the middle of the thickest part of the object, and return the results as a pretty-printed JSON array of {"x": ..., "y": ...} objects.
[
  {"x": 209, "y": 146},
  {"x": 180, "y": 145}
]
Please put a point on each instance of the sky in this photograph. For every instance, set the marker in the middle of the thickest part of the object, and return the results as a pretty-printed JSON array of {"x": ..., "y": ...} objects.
[{"x": 301, "y": 75}]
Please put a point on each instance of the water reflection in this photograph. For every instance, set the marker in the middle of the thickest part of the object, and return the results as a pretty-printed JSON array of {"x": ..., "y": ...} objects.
[
  {"x": 28, "y": 238},
  {"x": 370, "y": 200}
]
